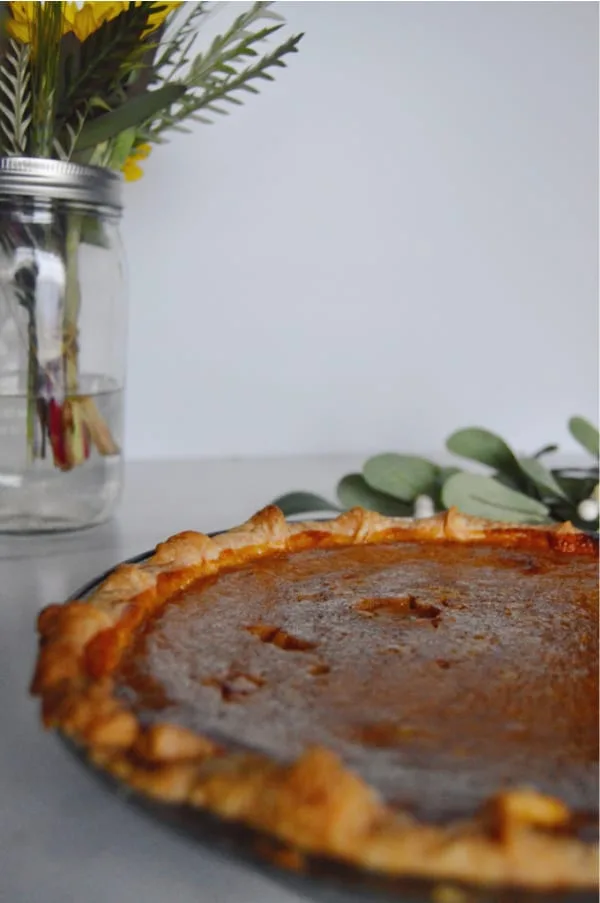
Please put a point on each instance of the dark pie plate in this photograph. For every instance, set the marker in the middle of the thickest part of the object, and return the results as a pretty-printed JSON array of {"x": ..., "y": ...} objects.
[{"x": 319, "y": 879}]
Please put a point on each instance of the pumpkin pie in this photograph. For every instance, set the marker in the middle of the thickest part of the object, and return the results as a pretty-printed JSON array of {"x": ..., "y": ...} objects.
[{"x": 412, "y": 697}]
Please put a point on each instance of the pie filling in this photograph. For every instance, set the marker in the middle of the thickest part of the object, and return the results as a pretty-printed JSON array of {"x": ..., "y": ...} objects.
[{"x": 441, "y": 673}]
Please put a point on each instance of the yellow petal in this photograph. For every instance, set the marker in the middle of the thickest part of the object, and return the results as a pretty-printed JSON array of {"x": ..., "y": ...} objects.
[
  {"x": 22, "y": 12},
  {"x": 158, "y": 18},
  {"x": 20, "y": 31},
  {"x": 86, "y": 20},
  {"x": 130, "y": 169},
  {"x": 70, "y": 11},
  {"x": 19, "y": 26},
  {"x": 142, "y": 151}
]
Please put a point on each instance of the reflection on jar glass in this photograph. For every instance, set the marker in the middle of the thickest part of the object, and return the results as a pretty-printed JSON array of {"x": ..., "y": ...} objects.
[{"x": 62, "y": 345}]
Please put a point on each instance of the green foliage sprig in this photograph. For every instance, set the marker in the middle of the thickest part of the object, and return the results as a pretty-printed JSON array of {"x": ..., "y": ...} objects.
[
  {"x": 519, "y": 489},
  {"x": 220, "y": 74},
  {"x": 15, "y": 99}
]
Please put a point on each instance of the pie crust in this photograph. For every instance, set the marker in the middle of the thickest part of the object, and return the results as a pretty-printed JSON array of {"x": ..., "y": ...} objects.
[{"x": 315, "y": 804}]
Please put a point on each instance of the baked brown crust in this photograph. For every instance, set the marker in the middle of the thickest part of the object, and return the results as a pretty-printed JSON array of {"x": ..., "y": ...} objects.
[{"x": 314, "y": 804}]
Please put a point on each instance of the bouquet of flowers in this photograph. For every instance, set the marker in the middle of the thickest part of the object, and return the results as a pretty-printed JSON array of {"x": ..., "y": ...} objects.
[{"x": 100, "y": 84}]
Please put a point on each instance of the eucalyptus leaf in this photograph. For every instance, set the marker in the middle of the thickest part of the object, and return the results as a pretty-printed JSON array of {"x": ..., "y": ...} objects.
[
  {"x": 546, "y": 450},
  {"x": 445, "y": 473},
  {"x": 133, "y": 113},
  {"x": 402, "y": 476},
  {"x": 487, "y": 448},
  {"x": 303, "y": 503},
  {"x": 505, "y": 480},
  {"x": 483, "y": 496},
  {"x": 353, "y": 490},
  {"x": 586, "y": 434},
  {"x": 542, "y": 478}
]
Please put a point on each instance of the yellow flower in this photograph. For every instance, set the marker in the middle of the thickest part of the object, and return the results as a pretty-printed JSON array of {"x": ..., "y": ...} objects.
[
  {"x": 130, "y": 169},
  {"x": 82, "y": 21}
]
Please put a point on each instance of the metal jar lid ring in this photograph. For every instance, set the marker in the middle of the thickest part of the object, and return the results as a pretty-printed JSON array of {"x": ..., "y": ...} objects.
[{"x": 43, "y": 178}]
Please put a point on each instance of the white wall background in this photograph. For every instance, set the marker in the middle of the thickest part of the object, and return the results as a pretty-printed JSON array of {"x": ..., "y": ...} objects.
[{"x": 397, "y": 238}]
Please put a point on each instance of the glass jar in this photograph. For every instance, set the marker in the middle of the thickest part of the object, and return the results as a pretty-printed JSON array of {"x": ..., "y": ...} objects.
[{"x": 63, "y": 322}]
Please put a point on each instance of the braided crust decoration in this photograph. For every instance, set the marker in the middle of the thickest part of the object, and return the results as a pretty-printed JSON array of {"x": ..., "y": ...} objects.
[{"x": 314, "y": 804}]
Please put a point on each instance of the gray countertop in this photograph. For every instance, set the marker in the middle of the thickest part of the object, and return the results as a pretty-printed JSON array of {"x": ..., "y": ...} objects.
[{"x": 63, "y": 837}]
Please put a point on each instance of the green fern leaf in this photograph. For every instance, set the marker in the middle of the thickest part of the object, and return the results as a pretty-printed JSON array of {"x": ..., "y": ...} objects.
[{"x": 15, "y": 100}]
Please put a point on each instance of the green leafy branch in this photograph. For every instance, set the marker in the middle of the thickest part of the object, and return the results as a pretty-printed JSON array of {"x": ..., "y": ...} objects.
[
  {"x": 15, "y": 99},
  {"x": 215, "y": 74},
  {"x": 212, "y": 77},
  {"x": 235, "y": 42},
  {"x": 95, "y": 100},
  {"x": 519, "y": 489},
  {"x": 174, "y": 56},
  {"x": 140, "y": 108},
  {"x": 188, "y": 107}
]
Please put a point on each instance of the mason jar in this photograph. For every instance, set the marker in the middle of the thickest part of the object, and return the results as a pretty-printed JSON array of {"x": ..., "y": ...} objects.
[{"x": 63, "y": 319}]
